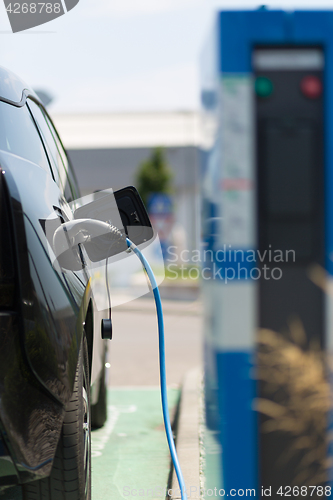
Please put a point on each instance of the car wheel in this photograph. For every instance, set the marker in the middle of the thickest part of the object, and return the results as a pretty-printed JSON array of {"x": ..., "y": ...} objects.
[
  {"x": 70, "y": 478},
  {"x": 99, "y": 410}
]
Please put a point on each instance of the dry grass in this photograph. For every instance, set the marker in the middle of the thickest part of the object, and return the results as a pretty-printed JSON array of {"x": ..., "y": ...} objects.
[{"x": 296, "y": 400}]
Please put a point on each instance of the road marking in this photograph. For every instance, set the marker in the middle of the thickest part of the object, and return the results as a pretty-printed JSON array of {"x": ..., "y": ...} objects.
[{"x": 100, "y": 437}]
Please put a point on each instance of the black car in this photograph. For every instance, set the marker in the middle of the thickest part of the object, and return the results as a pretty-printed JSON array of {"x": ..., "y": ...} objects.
[
  {"x": 52, "y": 352},
  {"x": 50, "y": 335}
]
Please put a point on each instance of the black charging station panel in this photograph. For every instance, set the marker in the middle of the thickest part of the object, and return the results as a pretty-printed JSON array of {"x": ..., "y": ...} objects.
[{"x": 290, "y": 178}]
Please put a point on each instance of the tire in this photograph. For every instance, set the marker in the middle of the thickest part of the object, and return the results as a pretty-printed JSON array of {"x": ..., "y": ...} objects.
[
  {"x": 70, "y": 478},
  {"x": 99, "y": 411}
]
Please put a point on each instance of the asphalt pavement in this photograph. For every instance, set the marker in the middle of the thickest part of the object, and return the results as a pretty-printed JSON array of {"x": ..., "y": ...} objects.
[{"x": 134, "y": 347}]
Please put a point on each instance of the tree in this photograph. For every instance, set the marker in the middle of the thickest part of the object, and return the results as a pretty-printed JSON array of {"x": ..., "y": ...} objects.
[{"x": 154, "y": 175}]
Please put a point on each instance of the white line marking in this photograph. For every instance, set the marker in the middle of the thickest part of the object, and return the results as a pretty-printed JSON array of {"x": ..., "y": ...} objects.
[{"x": 101, "y": 437}]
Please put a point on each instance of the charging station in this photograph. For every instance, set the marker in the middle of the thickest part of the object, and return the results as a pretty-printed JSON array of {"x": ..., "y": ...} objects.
[{"x": 267, "y": 80}]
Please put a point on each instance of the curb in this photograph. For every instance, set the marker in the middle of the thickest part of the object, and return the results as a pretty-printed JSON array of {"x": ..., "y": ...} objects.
[{"x": 187, "y": 441}]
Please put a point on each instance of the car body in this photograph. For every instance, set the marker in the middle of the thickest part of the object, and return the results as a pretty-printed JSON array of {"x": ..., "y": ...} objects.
[{"x": 50, "y": 338}]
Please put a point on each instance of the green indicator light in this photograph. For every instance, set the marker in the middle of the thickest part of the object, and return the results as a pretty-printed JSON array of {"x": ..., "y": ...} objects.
[{"x": 263, "y": 86}]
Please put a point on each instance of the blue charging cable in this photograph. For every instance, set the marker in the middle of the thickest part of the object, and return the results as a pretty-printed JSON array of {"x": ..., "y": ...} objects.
[
  {"x": 84, "y": 231},
  {"x": 164, "y": 397}
]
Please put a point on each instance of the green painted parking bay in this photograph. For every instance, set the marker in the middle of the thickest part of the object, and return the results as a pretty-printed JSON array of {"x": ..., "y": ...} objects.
[{"x": 130, "y": 454}]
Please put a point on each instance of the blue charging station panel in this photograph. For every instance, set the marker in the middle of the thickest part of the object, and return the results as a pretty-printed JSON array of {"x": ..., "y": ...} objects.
[{"x": 292, "y": 45}]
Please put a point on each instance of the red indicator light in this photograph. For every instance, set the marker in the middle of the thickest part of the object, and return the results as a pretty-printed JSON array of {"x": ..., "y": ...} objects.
[{"x": 311, "y": 87}]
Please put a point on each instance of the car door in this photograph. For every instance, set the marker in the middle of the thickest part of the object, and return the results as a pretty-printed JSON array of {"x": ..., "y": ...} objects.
[
  {"x": 61, "y": 294},
  {"x": 41, "y": 333},
  {"x": 64, "y": 178}
]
